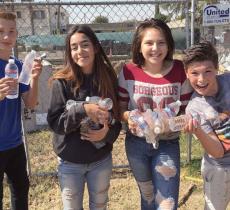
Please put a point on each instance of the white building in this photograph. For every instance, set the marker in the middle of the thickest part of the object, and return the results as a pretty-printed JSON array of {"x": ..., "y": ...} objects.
[{"x": 40, "y": 19}]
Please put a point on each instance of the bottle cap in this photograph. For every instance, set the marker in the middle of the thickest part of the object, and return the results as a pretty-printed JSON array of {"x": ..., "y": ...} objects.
[
  {"x": 157, "y": 130},
  {"x": 11, "y": 60}
]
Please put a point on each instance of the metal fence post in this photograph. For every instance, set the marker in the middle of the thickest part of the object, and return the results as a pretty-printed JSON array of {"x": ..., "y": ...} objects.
[
  {"x": 192, "y": 21},
  {"x": 26, "y": 147},
  {"x": 189, "y": 147}
]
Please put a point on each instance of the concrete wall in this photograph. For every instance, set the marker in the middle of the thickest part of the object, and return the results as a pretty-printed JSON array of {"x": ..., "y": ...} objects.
[{"x": 36, "y": 120}]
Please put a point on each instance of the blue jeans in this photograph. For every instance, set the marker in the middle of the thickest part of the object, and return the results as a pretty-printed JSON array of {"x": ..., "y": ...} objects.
[
  {"x": 156, "y": 171},
  {"x": 72, "y": 178}
]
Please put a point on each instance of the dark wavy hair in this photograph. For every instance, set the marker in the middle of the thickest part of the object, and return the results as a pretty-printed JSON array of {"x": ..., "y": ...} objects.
[
  {"x": 203, "y": 51},
  {"x": 137, "y": 57},
  {"x": 104, "y": 76}
]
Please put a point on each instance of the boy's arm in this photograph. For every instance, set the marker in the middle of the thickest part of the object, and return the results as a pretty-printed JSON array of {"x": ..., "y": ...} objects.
[
  {"x": 30, "y": 97},
  {"x": 211, "y": 143}
]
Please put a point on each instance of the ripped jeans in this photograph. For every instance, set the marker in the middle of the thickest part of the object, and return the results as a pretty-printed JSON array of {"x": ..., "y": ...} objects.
[
  {"x": 156, "y": 171},
  {"x": 72, "y": 179}
]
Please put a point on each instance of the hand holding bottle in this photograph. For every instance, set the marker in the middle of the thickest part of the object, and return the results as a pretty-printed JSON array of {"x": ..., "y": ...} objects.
[
  {"x": 97, "y": 111},
  {"x": 6, "y": 84},
  {"x": 105, "y": 105},
  {"x": 31, "y": 68}
]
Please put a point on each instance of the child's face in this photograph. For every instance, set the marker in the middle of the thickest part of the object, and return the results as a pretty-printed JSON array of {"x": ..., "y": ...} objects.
[
  {"x": 8, "y": 35},
  {"x": 202, "y": 76},
  {"x": 154, "y": 47},
  {"x": 82, "y": 52}
]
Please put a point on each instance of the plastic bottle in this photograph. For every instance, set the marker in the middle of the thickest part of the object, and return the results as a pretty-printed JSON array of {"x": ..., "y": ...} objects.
[
  {"x": 151, "y": 137},
  {"x": 178, "y": 123},
  {"x": 105, "y": 103},
  {"x": 92, "y": 99},
  {"x": 173, "y": 109},
  {"x": 138, "y": 118},
  {"x": 143, "y": 129},
  {"x": 11, "y": 71},
  {"x": 162, "y": 120},
  {"x": 70, "y": 103},
  {"x": 25, "y": 75}
]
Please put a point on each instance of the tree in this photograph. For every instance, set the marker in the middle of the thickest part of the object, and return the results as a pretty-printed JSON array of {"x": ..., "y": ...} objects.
[
  {"x": 163, "y": 17},
  {"x": 159, "y": 15},
  {"x": 101, "y": 19}
]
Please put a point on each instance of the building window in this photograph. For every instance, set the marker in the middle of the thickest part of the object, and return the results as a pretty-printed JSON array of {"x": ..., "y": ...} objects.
[
  {"x": 19, "y": 14},
  {"x": 39, "y": 14}
]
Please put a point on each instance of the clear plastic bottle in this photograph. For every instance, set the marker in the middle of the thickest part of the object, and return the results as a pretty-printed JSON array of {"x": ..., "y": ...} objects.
[
  {"x": 178, "y": 123},
  {"x": 143, "y": 120},
  {"x": 11, "y": 71},
  {"x": 173, "y": 109},
  {"x": 25, "y": 75},
  {"x": 105, "y": 103},
  {"x": 151, "y": 137},
  {"x": 92, "y": 99},
  {"x": 70, "y": 103},
  {"x": 138, "y": 118},
  {"x": 162, "y": 121}
]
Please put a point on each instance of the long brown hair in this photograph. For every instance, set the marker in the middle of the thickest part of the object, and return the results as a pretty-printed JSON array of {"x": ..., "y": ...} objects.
[{"x": 104, "y": 76}]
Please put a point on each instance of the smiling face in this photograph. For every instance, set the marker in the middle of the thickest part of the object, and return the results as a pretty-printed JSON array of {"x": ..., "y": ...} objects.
[
  {"x": 202, "y": 76},
  {"x": 82, "y": 52},
  {"x": 153, "y": 47},
  {"x": 8, "y": 36}
]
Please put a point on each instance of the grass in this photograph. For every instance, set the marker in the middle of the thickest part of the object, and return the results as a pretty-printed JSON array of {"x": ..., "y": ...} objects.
[{"x": 123, "y": 194}]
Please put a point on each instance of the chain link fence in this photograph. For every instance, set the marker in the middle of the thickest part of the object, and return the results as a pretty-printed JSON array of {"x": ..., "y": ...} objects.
[{"x": 42, "y": 26}]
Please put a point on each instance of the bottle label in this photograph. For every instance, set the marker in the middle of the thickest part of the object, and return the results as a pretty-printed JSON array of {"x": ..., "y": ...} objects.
[{"x": 11, "y": 71}]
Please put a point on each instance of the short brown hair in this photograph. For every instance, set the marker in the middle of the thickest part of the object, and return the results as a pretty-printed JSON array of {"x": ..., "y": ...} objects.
[
  {"x": 203, "y": 51},
  {"x": 7, "y": 15}
]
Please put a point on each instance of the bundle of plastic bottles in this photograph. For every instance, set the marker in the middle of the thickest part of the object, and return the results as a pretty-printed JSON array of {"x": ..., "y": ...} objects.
[
  {"x": 87, "y": 123},
  {"x": 151, "y": 123}
]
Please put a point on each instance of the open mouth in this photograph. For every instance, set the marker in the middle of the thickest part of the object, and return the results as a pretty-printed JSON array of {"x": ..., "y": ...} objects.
[{"x": 201, "y": 87}]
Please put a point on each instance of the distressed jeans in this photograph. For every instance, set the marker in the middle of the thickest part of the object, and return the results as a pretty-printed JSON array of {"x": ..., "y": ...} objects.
[
  {"x": 72, "y": 179},
  {"x": 156, "y": 171}
]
